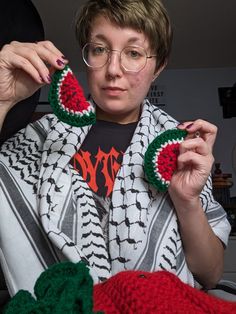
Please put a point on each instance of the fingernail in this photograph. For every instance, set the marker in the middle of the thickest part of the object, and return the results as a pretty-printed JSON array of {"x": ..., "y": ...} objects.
[
  {"x": 49, "y": 79},
  {"x": 60, "y": 63},
  {"x": 189, "y": 126}
]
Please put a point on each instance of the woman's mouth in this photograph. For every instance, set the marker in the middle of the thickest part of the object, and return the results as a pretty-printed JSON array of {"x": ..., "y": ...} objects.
[{"x": 113, "y": 91}]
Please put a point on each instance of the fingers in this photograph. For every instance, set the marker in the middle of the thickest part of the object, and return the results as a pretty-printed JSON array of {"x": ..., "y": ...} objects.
[
  {"x": 196, "y": 149},
  {"x": 191, "y": 159},
  {"x": 200, "y": 128},
  {"x": 196, "y": 153},
  {"x": 50, "y": 46},
  {"x": 34, "y": 58},
  {"x": 197, "y": 145},
  {"x": 12, "y": 61}
]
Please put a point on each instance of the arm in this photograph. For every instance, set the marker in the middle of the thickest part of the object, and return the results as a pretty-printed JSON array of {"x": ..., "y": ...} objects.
[{"x": 203, "y": 250}]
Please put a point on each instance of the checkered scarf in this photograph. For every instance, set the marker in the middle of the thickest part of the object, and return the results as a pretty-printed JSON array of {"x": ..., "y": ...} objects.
[{"x": 143, "y": 229}]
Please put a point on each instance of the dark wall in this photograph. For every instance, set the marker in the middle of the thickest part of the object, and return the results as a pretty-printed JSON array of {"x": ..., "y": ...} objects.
[{"x": 19, "y": 20}]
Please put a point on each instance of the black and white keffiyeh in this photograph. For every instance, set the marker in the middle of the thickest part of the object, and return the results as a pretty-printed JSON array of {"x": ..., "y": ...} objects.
[{"x": 48, "y": 213}]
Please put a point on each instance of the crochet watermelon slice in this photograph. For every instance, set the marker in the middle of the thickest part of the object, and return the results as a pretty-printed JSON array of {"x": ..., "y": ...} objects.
[
  {"x": 160, "y": 159},
  {"x": 67, "y": 99}
]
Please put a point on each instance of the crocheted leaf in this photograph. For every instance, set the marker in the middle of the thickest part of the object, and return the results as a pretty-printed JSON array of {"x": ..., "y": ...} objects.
[
  {"x": 160, "y": 159},
  {"x": 67, "y": 99},
  {"x": 62, "y": 288},
  {"x": 22, "y": 303}
]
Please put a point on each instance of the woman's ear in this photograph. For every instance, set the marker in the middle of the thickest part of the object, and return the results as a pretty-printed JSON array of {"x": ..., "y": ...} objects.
[{"x": 158, "y": 71}]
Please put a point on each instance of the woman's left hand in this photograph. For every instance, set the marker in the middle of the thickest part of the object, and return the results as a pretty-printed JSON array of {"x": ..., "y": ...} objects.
[{"x": 194, "y": 162}]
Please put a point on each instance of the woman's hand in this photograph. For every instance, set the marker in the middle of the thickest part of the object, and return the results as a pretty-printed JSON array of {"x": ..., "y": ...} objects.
[
  {"x": 194, "y": 162},
  {"x": 24, "y": 68},
  {"x": 203, "y": 250}
]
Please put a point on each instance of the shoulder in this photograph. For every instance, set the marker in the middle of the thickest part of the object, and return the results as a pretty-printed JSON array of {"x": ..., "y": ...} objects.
[
  {"x": 34, "y": 132},
  {"x": 26, "y": 144}
]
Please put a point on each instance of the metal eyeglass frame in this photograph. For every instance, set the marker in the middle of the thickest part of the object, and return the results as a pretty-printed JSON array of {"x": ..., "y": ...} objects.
[{"x": 109, "y": 51}]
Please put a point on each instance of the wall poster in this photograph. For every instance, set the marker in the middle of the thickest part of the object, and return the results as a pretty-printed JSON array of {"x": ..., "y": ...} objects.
[{"x": 157, "y": 95}]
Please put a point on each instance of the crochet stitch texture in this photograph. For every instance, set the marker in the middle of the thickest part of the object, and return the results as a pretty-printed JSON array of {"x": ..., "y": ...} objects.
[
  {"x": 62, "y": 288},
  {"x": 67, "y": 99},
  {"x": 160, "y": 159},
  {"x": 67, "y": 288}
]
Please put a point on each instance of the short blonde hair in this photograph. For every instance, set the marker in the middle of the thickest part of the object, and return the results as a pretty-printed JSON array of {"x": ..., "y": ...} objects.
[{"x": 147, "y": 16}]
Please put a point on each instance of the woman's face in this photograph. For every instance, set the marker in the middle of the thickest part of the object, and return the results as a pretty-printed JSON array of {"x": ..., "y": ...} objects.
[{"x": 118, "y": 93}]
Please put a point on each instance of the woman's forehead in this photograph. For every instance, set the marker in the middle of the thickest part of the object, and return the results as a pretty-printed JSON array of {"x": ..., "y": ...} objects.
[{"x": 108, "y": 31}]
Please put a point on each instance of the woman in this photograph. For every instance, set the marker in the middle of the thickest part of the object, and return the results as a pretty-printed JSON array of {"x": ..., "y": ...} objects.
[{"x": 60, "y": 199}]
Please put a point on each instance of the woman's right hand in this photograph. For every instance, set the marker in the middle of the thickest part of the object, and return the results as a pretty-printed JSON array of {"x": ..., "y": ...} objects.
[{"x": 24, "y": 68}]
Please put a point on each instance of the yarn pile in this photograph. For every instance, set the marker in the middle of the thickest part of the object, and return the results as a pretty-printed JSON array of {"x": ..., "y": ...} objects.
[{"x": 68, "y": 288}]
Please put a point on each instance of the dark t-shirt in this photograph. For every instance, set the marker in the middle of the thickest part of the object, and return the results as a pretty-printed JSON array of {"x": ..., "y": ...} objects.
[
  {"x": 101, "y": 154},
  {"x": 98, "y": 161}
]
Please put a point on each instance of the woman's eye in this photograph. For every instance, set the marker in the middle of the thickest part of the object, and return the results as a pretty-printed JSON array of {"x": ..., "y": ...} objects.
[
  {"x": 99, "y": 50},
  {"x": 134, "y": 54}
]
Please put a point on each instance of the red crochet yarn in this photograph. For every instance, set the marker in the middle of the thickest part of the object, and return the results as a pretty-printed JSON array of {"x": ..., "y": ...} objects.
[
  {"x": 136, "y": 292},
  {"x": 66, "y": 93},
  {"x": 68, "y": 288},
  {"x": 167, "y": 160}
]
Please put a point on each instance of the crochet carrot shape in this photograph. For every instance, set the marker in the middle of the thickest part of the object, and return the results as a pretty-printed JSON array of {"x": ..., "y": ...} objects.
[
  {"x": 160, "y": 159},
  {"x": 67, "y": 99}
]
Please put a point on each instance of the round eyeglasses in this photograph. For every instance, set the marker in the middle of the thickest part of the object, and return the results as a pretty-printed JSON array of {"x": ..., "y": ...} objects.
[{"x": 132, "y": 58}]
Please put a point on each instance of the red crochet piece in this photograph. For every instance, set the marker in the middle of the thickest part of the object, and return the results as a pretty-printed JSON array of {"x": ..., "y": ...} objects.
[
  {"x": 69, "y": 93},
  {"x": 167, "y": 161},
  {"x": 136, "y": 292}
]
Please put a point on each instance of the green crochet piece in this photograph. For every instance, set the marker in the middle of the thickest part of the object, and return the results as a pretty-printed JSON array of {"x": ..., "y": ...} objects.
[
  {"x": 64, "y": 288},
  {"x": 160, "y": 160}
]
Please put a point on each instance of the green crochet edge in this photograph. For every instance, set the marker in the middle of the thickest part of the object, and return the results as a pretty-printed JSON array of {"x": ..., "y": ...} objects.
[
  {"x": 62, "y": 288},
  {"x": 64, "y": 116},
  {"x": 149, "y": 162}
]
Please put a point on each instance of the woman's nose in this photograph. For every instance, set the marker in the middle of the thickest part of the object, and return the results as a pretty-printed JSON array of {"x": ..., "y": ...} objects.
[{"x": 114, "y": 63}]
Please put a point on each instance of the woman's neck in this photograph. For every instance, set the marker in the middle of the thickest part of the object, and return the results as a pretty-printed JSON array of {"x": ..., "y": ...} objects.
[{"x": 124, "y": 118}]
